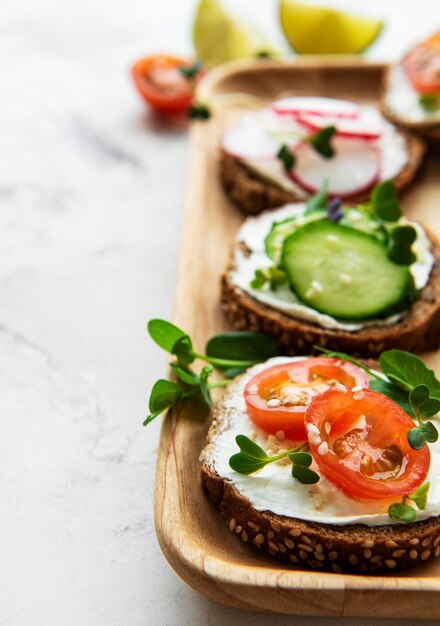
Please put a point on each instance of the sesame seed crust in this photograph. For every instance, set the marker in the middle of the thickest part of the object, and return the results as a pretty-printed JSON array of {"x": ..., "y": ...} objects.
[{"x": 417, "y": 331}]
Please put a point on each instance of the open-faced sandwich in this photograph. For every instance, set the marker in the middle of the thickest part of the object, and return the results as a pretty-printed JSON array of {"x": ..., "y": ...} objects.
[
  {"x": 282, "y": 153},
  {"x": 325, "y": 463},
  {"x": 357, "y": 278},
  {"x": 411, "y": 96}
]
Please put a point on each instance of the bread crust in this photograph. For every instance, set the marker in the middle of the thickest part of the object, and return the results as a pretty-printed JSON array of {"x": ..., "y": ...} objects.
[
  {"x": 253, "y": 193},
  {"x": 417, "y": 331},
  {"x": 354, "y": 548}
]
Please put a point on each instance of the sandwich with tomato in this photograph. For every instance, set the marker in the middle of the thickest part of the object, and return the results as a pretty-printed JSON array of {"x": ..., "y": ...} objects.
[
  {"x": 330, "y": 463},
  {"x": 411, "y": 96}
]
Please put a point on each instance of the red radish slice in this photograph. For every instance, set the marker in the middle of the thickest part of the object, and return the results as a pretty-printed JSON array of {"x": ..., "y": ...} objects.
[
  {"x": 259, "y": 136},
  {"x": 324, "y": 107},
  {"x": 354, "y": 168},
  {"x": 368, "y": 125}
]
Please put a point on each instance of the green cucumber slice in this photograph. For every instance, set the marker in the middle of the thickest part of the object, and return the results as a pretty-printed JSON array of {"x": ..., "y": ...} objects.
[
  {"x": 344, "y": 272},
  {"x": 280, "y": 230}
]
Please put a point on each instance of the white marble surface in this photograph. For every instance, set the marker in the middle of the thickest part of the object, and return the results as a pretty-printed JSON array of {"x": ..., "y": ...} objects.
[{"x": 90, "y": 211}]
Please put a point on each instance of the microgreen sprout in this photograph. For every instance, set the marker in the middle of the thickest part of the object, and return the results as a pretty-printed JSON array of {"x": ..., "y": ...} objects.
[
  {"x": 286, "y": 156},
  {"x": 199, "y": 111},
  {"x": 274, "y": 276},
  {"x": 405, "y": 512},
  {"x": 321, "y": 141},
  {"x": 190, "y": 71}
]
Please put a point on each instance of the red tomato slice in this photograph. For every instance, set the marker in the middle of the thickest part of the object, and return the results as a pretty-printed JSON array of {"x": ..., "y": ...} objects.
[
  {"x": 277, "y": 398},
  {"x": 161, "y": 85},
  {"x": 359, "y": 442},
  {"x": 422, "y": 65}
]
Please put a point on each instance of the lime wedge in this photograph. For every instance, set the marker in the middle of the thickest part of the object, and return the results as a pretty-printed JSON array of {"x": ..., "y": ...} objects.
[
  {"x": 314, "y": 29},
  {"x": 219, "y": 37}
]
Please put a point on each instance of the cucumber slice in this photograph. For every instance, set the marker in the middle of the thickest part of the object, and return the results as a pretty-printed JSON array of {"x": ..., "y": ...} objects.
[
  {"x": 280, "y": 230},
  {"x": 344, "y": 272}
]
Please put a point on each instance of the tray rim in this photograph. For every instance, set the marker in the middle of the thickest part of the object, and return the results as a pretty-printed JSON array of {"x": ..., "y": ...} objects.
[{"x": 202, "y": 571}]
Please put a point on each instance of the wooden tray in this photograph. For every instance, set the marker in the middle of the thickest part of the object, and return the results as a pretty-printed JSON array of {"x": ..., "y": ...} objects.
[{"x": 190, "y": 531}]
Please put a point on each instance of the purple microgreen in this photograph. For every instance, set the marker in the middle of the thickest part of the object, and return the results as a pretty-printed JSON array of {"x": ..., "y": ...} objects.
[{"x": 334, "y": 210}]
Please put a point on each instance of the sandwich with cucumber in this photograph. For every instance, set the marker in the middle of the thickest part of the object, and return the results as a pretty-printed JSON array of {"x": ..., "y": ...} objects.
[{"x": 360, "y": 278}]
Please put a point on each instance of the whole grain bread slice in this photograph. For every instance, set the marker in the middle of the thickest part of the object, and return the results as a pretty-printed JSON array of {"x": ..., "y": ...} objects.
[
  {"x": 355, "y": 548},
  {"x": 417, "y": 331},
  {"x": 253, "y": 193}
]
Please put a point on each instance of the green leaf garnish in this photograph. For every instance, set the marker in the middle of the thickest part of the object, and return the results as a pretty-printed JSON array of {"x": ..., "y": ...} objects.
[
  {"x": 274, "y": 276},
  {"x": 420, "y": 496},
  {"x": 183, "y": 350},
  {"x": 204, "y": 389},
  {"x": 190, "y": 71},
  {"x": 421, "y": 435},
  {"x": 422, "y": 404},
  {"x": 301, "y": 462},
  {"x": 403, "y": 512},
  {"x": 430, "y": 101},
  {"x": 385, "y": 202},
  {"x": 407, "y": 371},
  {"x": 185, "y": 375},
  {"x": 401, "y": 238},
  {"x": 199, "y": 112},
  {"x": 320, "y": 141},
  {"x": 319, "y": 201},
  {"x": 164, "y": 333},
  {"x": 264, "y": 54},
  {"x": 242, "y": 346},
  {"x": 163, "y": 396},
  {"x": 391, "y": 391},
  {"x": 287, "y": 157}
]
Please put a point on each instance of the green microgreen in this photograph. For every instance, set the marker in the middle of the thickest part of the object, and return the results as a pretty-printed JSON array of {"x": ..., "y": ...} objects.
[
  {"x": 286, "y": 156},
  {"x": 400, "y": 240},
  {"x": 321, "y": 141},
  {"x": 319, "y": 201},
  {"x": 253, "y": 458},
  {"x": 231, "y": 353},
  {"x": 405, "y": 512},
  {"x": 419, "y": 436},
  {"x": 273, "y": 276},
  {"x": 264, "y": 54},
  {"x": 430, "y": 101},
  {"x": 420, "y": 496},
  {"x": 385, "y": 202},
  {"x": 198, "y": 111},
  {"x": 190, "y": 71}
]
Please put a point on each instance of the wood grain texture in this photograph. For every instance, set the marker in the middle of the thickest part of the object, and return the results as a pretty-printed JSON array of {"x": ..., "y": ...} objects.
[{"x": 191, "y": 534}]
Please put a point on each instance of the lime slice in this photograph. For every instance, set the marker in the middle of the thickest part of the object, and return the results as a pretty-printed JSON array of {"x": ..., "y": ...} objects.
[
  {"x": 219, "y": 37},
  {"x": 319, "y": 30}
]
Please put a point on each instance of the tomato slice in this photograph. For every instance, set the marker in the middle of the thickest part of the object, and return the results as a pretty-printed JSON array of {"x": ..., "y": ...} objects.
[
  {"x": 359, "y": 442},
  {"x": 422, "y": 65},
  {"x": 162, "y": 85},
  {"x": 277, "y": 398}
]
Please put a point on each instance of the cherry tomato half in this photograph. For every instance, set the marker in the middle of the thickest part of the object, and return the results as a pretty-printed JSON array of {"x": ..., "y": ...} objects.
[
  {"x": 162, "y": 85},
  {"x": 422, "y": 65},
  {"x": 277, "y": 398},
  {"x": 359, "y": 442}
]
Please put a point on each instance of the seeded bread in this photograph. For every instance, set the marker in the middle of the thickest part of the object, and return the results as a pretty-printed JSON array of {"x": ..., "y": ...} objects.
[
  {"x": 353, "y": 548},
  {"x": 253, "y": 193},
  {"x": 418, "y": 330}
]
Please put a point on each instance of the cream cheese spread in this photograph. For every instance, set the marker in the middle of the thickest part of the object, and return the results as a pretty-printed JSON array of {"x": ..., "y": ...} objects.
[{"x": 403, "y": 100}]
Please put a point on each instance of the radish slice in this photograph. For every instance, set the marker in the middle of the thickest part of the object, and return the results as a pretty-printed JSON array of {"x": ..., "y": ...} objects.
[
  {"x": 259, "y": 135},
  {"x": 324, "y": 107},
  {"x": 353, "y": 170},
  {"x": 368, "y": 125}
]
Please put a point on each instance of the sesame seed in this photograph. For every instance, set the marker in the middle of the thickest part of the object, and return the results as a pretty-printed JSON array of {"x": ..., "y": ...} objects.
[
  {"x": 414, "y": 542},
  {"x": 336, "y": 568},
  {"x": 305, "y": 547},
  {"x": 295, "y": 532},
  {"x": 315, "y": 439},
  {"x": 413, "y": 554},
  {"x": 317, "y": 500},
  {"x": 376, "y": 559},
  {"x": 357, "y": 388},
  {"x": 323, "y": 448},
  {"x": 282, "y": 548},
  {"x": 426, "y": 542},
  {"x": 333, "y": 555},
  {"x": 391, "y": 544},
  {"x": 353, "y": 559},
  {"x": 425, "y": 554},
  {"x": 259, "y": 539},
  {"x": 359, "y": 395},
  {"x": 437, "y": 551},
  {"x": 303, "y": 555},
  {"x": 238, "y": 529},
  {"x": 367, "y": 553},
  {"x": 244, "y": 536},
  {"x": 289, "y": 543},
  {"x": 345, "y": 278},
  {"x": 319, "y": 548},
  {"x": 273, "y": 546},
  {"x": 293, "y": 558},
  {"x": 316, "y": 285},
  {"x": 273, "y": 402},
  {"x": 390, "y": 563},
  {"x": 270, "y": 534},
  {"x": 340, "y": 387},
  {"x": 437, "y": 540},
  {"x": 327, "y": 427},
  {"x": 320, "y": 556},
  {"x": 398, "y": 553},
  {"x": 368, "y": 543},
  {"x": 232, "y": 524},
  {"x": 253, "y": 526},
  {"x": 275, "y": 526},
  {"x": 312, "y": 428},
  {"x": 306, "y": 539}
]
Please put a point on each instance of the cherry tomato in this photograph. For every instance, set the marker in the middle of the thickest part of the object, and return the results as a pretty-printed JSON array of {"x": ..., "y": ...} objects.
[
  {"x": 359, "y": 442},
  {"x": 422, "y": 65},
  {"x": 162, "y": 85},
  {"x": 277, "y": 398}
]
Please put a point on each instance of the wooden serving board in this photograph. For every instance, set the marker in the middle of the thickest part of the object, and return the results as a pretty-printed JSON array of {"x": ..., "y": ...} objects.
[{"x": 191, "y": 533}]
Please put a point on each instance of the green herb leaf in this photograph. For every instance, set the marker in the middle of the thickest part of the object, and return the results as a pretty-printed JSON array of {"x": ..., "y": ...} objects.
[
  {"x": 430, "y": 101},
  {"x": 204, "y": 375},
  {"x": 287, "y": 157},
  {"x": 199, "y": 112},
  {"x": 251, "y": 457},
  {"x": 164, "y": 333},
  {"x": 301, "y": 462},
  {"x": 321, "y": 141},
  {"x": 264, "y": 54},
  {"x": 190, "y": 71},
  {"x": 242, "y": 346},
  {"x": 302, "y": 459},
  {"x": 403, "y": 512},
  {"x": 163, "y": 395},
  {"x": 422, "y": 405},
  {"x": 420, "y": 496},
  {"x": 391, "y": 391},
  {"x": 408, "y": 371},
  {"x": 273, "y": 275},
  {"x": 183, "y": 350},
  {"x": 385, "y": 202},
  {"x": 259, "y": 279},
  {"x": 319, "y": 201},
  {"x": 421, "y": 435},
  {"x": 400, "y": 241},
  {"x": 186, "y": 376}
]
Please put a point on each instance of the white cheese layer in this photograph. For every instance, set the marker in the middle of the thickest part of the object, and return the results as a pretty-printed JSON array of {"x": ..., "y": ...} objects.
[
  {"x": 274, "y": 489},
  {"x": 403, "y": 100},
  {"x": 253, "y": 233}
]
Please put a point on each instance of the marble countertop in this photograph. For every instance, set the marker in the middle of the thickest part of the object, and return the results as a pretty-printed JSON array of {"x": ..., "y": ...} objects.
[{"x": 91, "y": 191}]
